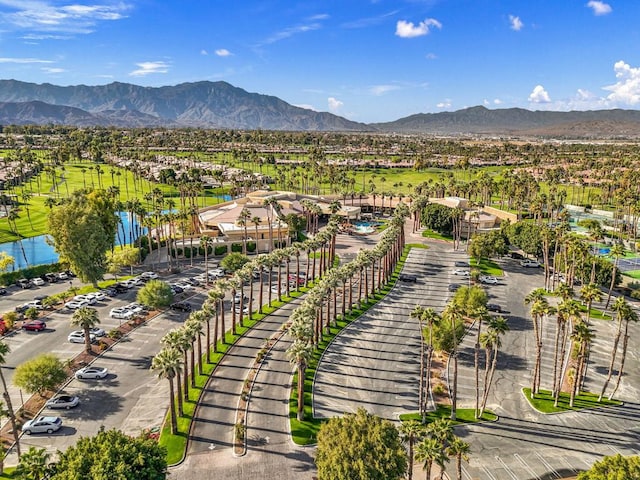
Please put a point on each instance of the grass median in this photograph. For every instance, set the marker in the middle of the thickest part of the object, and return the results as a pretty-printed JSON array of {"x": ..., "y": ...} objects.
[{"x": 543, "y": 401}]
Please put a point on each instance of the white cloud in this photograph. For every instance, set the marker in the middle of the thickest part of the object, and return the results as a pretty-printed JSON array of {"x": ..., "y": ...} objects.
[
  {"x": 409, "y": 30},
  {"x": 334, "y": 104},
  {"x": 539, "y": 95},
  {"x": 627, "y": 89},
  {"x": 146, "y": 68},
  {"x": 204, "y": 52},
  {"x": 223, "y": 52},
  {"x": 23, "y": 60},
  {"x": 497, "y": 101},
  {"x": 431, "y": 56},
  {"x": 599, "y": 8},
  {"x": 444, "y": 104},
  {"x": 291, "y": 31},
  {"x": 516, "y": 23},
  {"x": 46, "y": 16},
  {"x": 378, "y": 90},
  {"x": 53, "y": 70}
]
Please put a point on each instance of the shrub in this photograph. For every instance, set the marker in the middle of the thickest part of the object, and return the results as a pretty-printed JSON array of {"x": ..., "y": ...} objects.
[
  {"x": 251, "y": 247},
  {"x": 220, "y": 250},
  {"x": 236, "y": 247}
]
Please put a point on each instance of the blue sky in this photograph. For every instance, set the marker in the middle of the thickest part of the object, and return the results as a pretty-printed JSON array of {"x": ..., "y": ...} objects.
[{"x": 366, "y": 60}]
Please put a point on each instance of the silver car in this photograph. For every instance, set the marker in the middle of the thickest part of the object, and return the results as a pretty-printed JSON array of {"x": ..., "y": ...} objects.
[
  {"x": 63, "y": 401},
  {"x": 42, "y": 425}
]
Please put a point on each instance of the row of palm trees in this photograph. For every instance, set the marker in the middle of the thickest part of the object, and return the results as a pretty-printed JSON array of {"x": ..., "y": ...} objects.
[
  {"x": 370, "y": 270},
  {"x": 176, "y": 361}
]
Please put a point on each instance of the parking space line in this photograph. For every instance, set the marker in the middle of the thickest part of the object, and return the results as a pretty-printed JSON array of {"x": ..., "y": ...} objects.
[
  {"x": 526, "y": 466},
  {"x": 550, "y": 469}
]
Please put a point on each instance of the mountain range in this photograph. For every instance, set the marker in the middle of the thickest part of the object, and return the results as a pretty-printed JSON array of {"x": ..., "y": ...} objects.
[{"x": 221, "y": 105}]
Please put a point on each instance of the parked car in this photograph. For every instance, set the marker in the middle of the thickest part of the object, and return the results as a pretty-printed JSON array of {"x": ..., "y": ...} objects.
[
  {"x": 462, "y": 264},
  {"x": 274, "y": 288},
  {"x": 180, "y": 306},
  {"x": 488, "y": 279},
  {"x": 42, "y": 425},
  {"x": 63, "y": 276},
  {"x": 63, "y": 401},
  {"x": 217, "y": 272},
  {"x": 77, "y": 336},
  {"x": 24, "y": 283},
  {"x": 149, "y": 275},
  {"x": 119, "y": 287},
  {"x": 244, "y": 310},
  {"x": 37, "y": 304},
  {"x": 462, "y": 272},
  {"x": 97, "y": 296},
  {"x": 3, "y": 291},
  {"x": 50, "y": 277},
  {"x": 494, "y": 307},
  {"x": 75, "y": 304},
  {"x": 38, "y": 282},
  {"x": 34, "y": 325},
  {"x": 121, "y": 313},
  {"x": 85, "y": 298},
  {"x": 453, "y": 287},
  {"x": 530, "y": 263},
  {"x": 239, "y": 297},
  {"x": 407, "y": 277},
  {"x": 97, "y": 331},
  {"x": 176, "y": 288},
  {"x": 91, "y": 372}
]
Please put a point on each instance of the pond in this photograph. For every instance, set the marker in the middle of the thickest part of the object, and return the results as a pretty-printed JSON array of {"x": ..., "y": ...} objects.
[{"x": 36, "y": 251}]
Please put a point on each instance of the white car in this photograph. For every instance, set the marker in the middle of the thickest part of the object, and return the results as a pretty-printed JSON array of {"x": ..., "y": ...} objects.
[
  {"x": 91, "y": 372},
  {"x": 239, "y": 297},
  {"x": 38, "y": 282},
  {"x": 77, "y": 336},
  {"x": 121, "y": 313},
  {"x": 245, "y": 310},
  {"x": 488, "y": 279},
  {"x": 97, "y": 331},
  {"x": 37, "y": 304},
  {"x": 63, "y": 401},
  {"x": 274, "y": 288},
  {"x": 186, "y": 287},
  {"x": 97, "y": 296},
  {"x": 462, "y": 272},
  {"x": 85, "y": 298},
  {"x": 42, "y": 425},
  {"x": 217, "y": 272},
  {"x": 149, "y": 275},
  {"x": 75, "y": 304},
  {"x": 530, "y": 263},
  {"x": 129, "y": 283}
]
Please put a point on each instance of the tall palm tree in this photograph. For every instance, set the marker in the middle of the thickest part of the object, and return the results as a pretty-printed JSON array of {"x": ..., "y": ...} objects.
[
  {"x": 459, "y": 449},
  {"x": 85, "y": 318},
  {"x": 300, "y": 353},
  {"x": 566, "y": 312},
  {"x": 168, "y": 364},
  {"x": 497, "y": 327},
  {"x": 590, "y": 293},
  {"x": 629, "y": 316},
  {"x": 243, "y": 219},
  {"x": 621, "y": 307},
  {"x": 454, "y": 314},
  {"x": 582, "y": 335},
  {"x": 412, "y": 432},
  {"x": 430, "y": 451},
  {"x": 617, "y": 250},
  {"x": 4, "y": 351}
]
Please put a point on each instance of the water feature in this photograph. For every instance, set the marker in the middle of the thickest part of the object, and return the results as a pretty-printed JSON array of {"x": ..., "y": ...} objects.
[
  {"x": 38, "y": 252},
  {"x": 364, "y": 228}
]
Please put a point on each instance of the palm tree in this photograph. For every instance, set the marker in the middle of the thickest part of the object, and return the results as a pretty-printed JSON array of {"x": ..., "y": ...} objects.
[
  {"x": 243, "y": 218},
  {"x": 621, "y": 307},
  {"x": 168, "y": 364},
  {"x": 430, "y": 451},
  {"x": 582, "y": 335},
  {"x": 497, "y": 327},
  {"x": 590, "y": 293},
  {"x": 411, "y": 431},
  {"x": 459, "y": 449},
  {"x": 4, "y": 351},
  {"x": 300, "y": 353},
  {"x": 256, "y": 220},
  {"x": 453, "y": 314},
  {"x": 629, "y": 316},
  {"x": 86, "y": 318},
  {"x": 205, "y": 243},
  {"x": 567, "y": 310},
  {"x": 539, "y": 309},
  {"x": 177, "y": 340},
  {"x": 617, "y": 251},
  {"x": 34, "y": 464}
]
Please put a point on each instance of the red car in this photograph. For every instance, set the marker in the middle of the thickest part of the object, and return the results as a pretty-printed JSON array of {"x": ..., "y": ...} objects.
[
  {"x": 293, "y": 278},
  {"x": 34, "y": 325}
]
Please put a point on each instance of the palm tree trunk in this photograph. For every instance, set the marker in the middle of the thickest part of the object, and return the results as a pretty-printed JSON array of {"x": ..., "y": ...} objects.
[
  {"x": 12, "y": 415},
  {"x": 301, "y": 373},
  {"x": 614, "y": 351},
  {"x": 625, "y": 342},
  {"x": 172, "y": 409}
]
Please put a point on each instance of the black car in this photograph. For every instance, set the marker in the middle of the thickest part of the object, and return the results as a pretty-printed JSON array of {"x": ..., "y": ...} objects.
[
  {"x": 461, "y": 264},
  {"x": 110, "y": 292},
  {"x": 3, "y": 291},
  {"x": 180, "y": 306},
  {"x": 50, "y": 277},
  {"x": 24, "y": 283},
  {"x": 453, "y": 287},
  {"x": 176, "y": 289},
  {"x": 119, "y": 288},
  {"x": 493, "y": 307},
  {"x": 407, "y": 277}
]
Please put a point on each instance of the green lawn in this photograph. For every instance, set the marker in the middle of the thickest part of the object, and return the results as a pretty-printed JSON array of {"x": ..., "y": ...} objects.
[
  {"x": 463, "y": 415},
  {"x": 543, "y": 401},
  {"x": 33, "y": 214},
  {"x": 437, "y": 236},
  {"x": 487, "y": 267}
]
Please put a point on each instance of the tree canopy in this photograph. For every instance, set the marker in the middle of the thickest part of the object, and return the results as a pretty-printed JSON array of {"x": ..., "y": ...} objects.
[
  {"x": 615, "y": 467},
  {"x": 155, "y": 294},
  {"x": 234, "y": 261},
  {"x": 112, "y": 455},
  {"x": 360, "y": 446},
  {"x": 83, "y": 230},
  {"x": 45, "y": 372}
]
